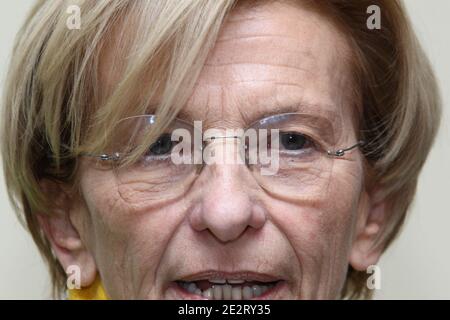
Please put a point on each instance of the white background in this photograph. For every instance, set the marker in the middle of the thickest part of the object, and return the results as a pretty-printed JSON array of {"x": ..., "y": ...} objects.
[{"x": 417, "y": 266}]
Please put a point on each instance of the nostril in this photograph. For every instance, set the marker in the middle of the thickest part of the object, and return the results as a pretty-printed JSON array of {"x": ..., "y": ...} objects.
[
  {"x": 259, "y": 216},
  {"x": 196, "y": 220}
]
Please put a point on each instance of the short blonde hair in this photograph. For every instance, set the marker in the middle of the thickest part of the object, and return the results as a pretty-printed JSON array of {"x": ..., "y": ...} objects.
[{"x": 55, "y": 105}]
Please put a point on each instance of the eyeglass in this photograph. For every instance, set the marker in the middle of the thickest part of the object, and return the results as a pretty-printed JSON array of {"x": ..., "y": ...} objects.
[{"x": 306, "y": 146}]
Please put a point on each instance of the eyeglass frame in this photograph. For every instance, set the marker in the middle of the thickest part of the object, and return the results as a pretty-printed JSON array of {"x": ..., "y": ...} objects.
[{"x": 339, "y": 153}]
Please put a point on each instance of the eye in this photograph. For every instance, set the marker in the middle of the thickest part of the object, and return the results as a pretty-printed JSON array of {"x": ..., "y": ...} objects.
[
  {"x": 162, "y": 146},
  {"x": 294, "y": 141}
]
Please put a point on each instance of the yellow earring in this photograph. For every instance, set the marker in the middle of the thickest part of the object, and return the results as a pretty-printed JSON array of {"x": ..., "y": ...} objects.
[{"x": 94, "y": 292}]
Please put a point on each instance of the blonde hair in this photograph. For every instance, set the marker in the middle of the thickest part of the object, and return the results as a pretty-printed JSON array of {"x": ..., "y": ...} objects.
[{"x": 56, "y": 106}]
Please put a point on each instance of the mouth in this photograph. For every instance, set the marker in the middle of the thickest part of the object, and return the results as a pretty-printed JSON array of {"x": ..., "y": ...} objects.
[{"x": 221, "y": 286}]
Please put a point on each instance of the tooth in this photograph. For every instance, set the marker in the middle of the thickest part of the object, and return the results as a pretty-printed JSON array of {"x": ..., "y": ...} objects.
[
  {"x": 226, "y": 292},
  {"x": 219, "y": 281},
  {"x": 247, "y": 293},
  {"x": 191, "y": 287},
  {"x": 217, "y": 292},
  {"x": 236, "y": 293},
  {"x": 208, "y": 293},
  {"x": 198, "y": 292},
  {"x": 264, "y": 289},
  {"x": 256, "y": 291},
  {"x": 231, "y": 281}
]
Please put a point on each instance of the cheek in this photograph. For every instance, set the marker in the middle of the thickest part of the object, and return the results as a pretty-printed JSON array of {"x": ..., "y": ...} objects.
[
  {"x": 333, "y": 212},
  {"x": 136, "y": 232},
  {"x": 321, "y": 230}
]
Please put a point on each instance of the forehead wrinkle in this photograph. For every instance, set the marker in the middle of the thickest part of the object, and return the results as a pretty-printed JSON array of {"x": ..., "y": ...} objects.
[
  {"x": 264, "y": 19},
  {"x": 248, "y": 72},
  {"x": 264, "y": 22},
  {"x": 254, "y": 37},
  {"x": 247, "y": 104},
  {"x": 310, "y": 34},
  {"x": 277, "y": 52}
]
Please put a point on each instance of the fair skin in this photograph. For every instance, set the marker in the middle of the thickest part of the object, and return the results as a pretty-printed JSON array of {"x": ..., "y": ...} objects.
[{"x": 225, "y": 225}]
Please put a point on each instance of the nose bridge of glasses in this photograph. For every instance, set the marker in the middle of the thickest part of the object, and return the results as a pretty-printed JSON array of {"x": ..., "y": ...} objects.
[
  {"x": 222, "y": 137},
  {"x": 223, "y": 148}
]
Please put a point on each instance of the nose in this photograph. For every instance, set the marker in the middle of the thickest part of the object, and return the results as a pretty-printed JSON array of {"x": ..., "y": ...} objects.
[{"x": 227, "y": 208}]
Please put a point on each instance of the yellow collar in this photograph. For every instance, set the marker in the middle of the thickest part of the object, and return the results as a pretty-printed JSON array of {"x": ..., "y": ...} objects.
[{"x": 94, "y": 292}]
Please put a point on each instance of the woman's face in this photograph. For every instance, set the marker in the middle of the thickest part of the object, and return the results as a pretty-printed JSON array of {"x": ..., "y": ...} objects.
[{"x": 225, "y": 226}]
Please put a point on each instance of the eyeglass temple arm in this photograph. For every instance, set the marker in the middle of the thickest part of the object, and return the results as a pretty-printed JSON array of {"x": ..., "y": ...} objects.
[
  {"x": 104, "y": 156},
  {"x": 341, "y": 152}
]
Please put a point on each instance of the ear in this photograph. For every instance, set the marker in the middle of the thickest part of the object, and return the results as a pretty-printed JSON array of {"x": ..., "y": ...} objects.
[
  {"x": 370, "y": 223},
  {"x": 63, "y": 235}
]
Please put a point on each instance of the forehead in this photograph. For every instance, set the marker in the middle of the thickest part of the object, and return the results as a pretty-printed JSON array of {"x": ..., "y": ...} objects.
[{"x": 270, "y": 58}]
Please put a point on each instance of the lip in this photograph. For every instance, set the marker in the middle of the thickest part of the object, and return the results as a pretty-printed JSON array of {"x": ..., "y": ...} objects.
[
  {"x": 244, "y": 275},
  {"x": 270, "y": 294},
  {"x": 174, "y": 290}
]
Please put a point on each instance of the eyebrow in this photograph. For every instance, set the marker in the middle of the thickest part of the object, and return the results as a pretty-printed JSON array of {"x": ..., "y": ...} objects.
[{"x": 316, "y": 110}]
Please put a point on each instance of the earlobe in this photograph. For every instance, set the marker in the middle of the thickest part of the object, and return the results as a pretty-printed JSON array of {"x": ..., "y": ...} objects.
[
  {"x": 370, "y": 224},
  {"x": 64, "y": 238}
]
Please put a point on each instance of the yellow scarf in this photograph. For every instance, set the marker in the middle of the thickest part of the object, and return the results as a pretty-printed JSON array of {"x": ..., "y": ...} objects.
[{"x": 94, "y": 292}]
